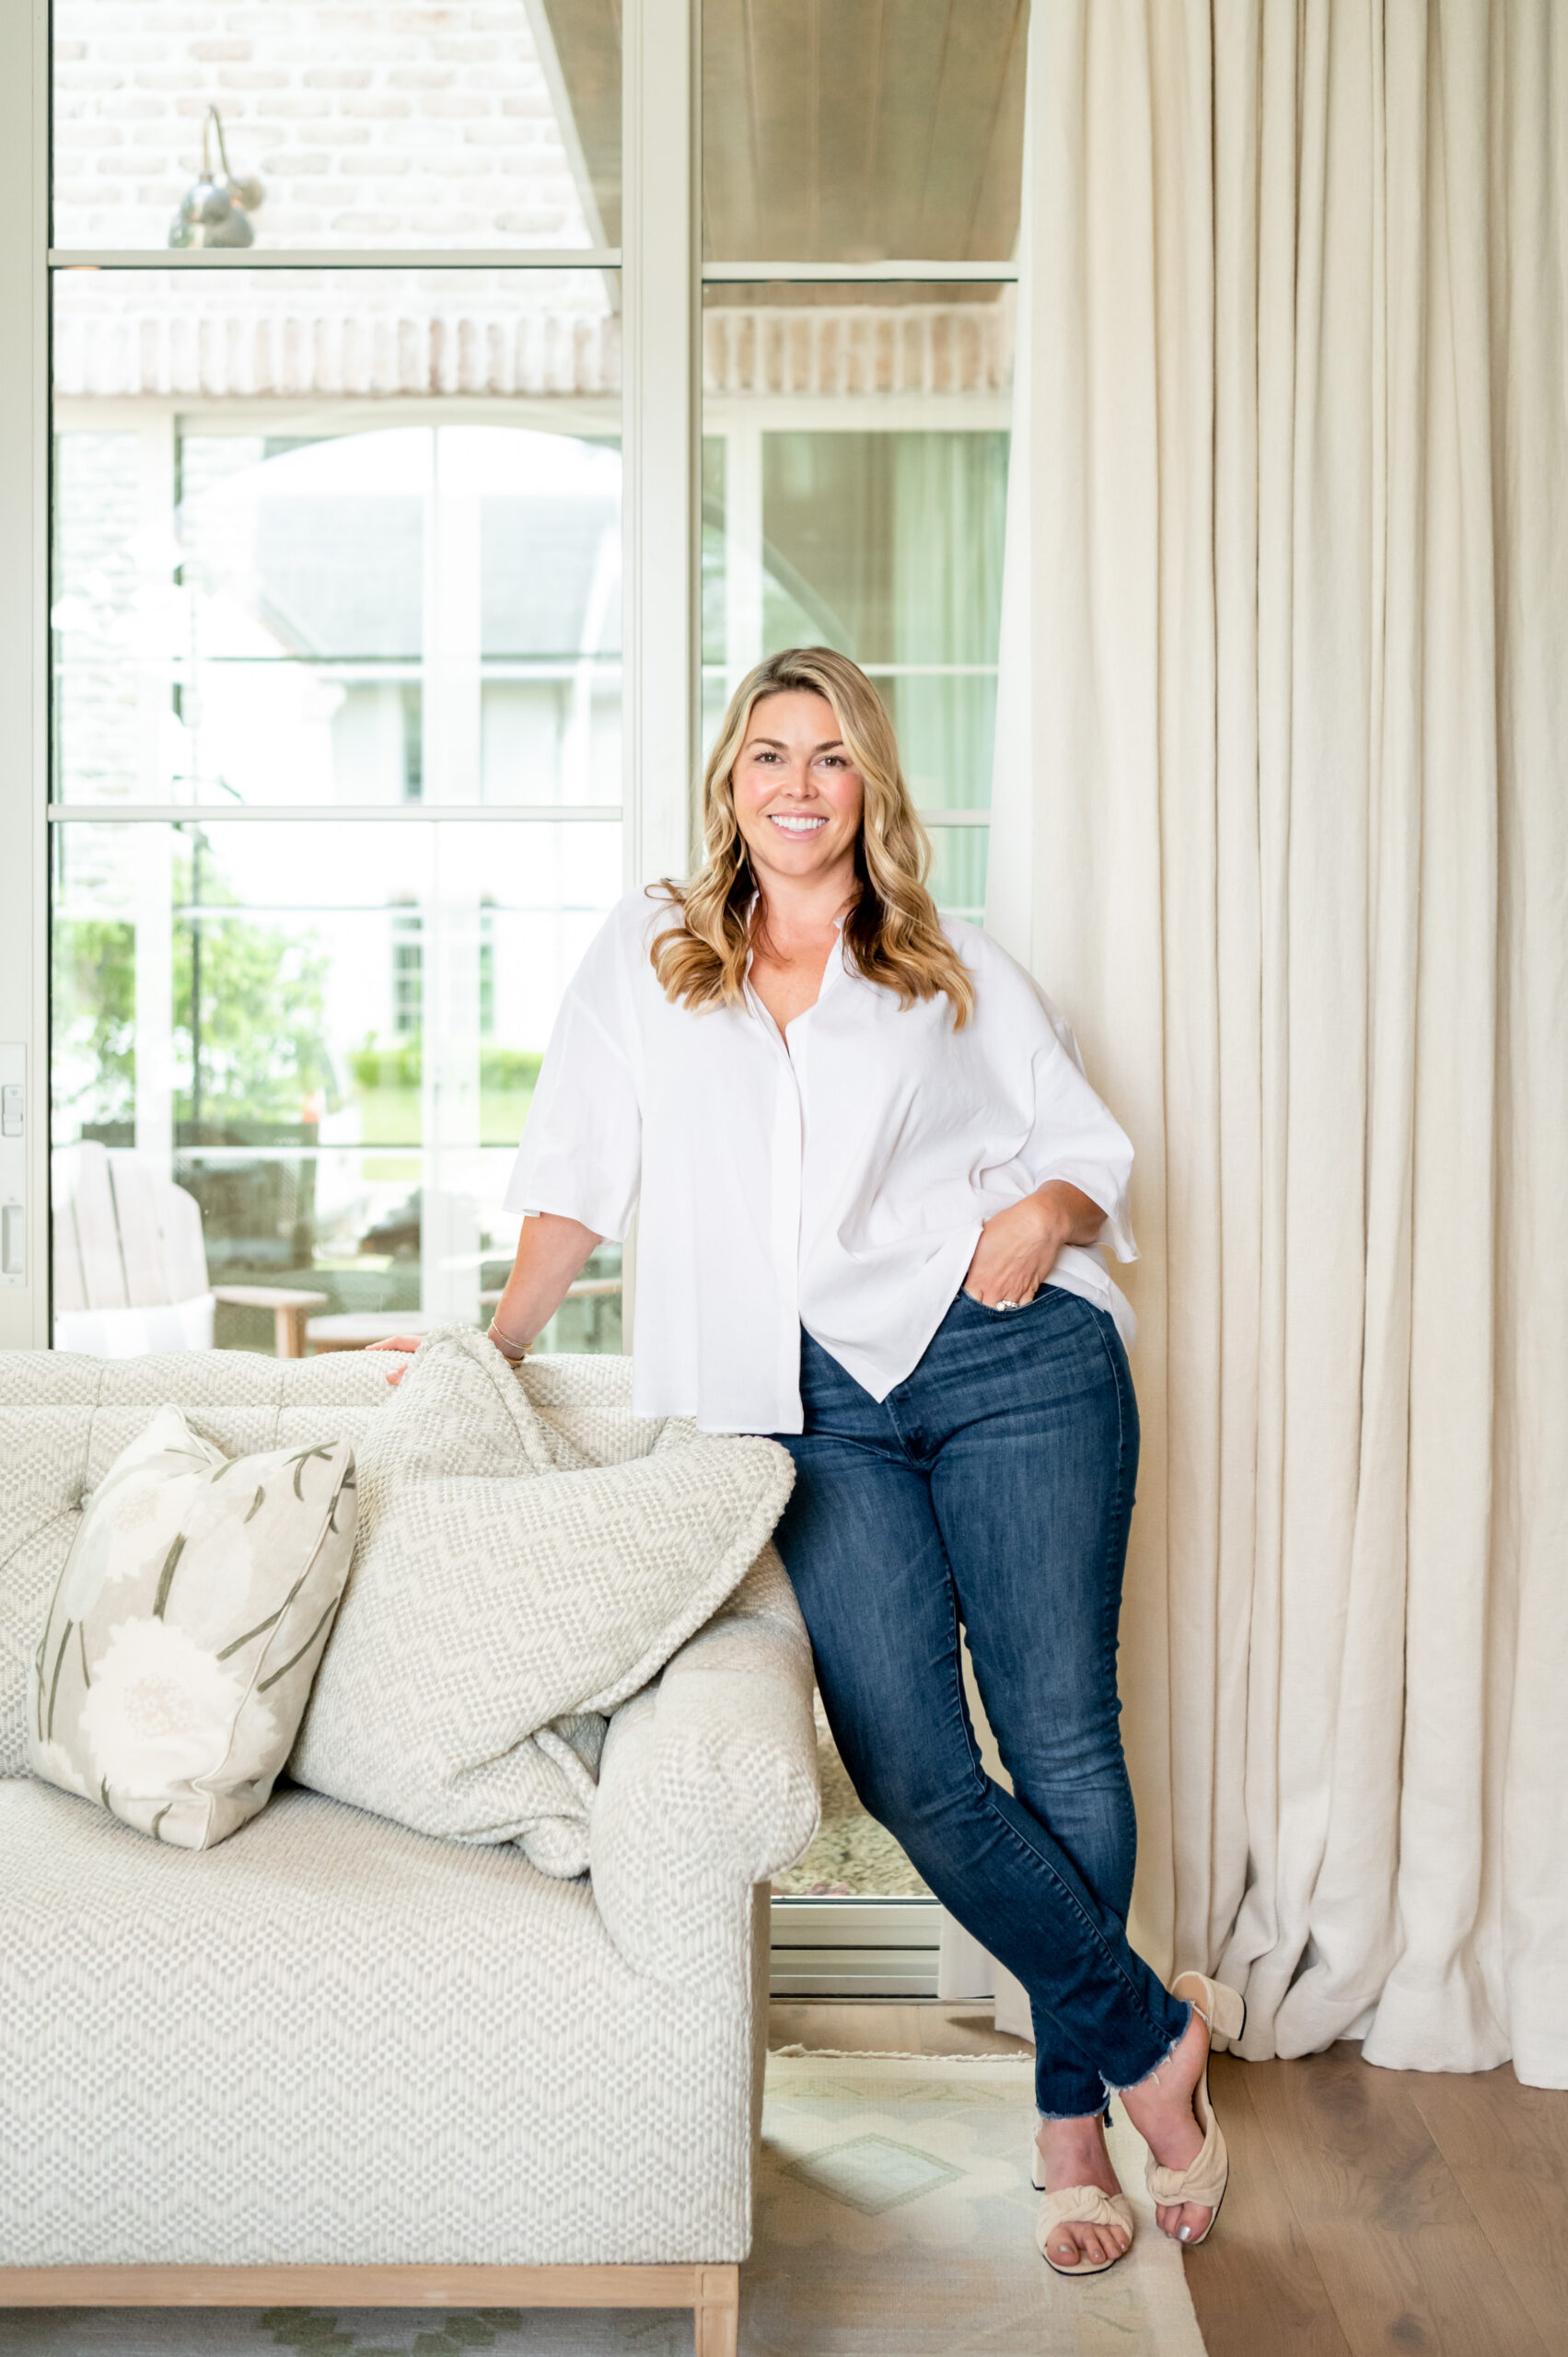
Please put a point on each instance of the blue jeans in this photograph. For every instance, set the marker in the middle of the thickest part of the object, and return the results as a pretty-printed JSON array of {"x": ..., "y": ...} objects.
[{"x": 993, "y": 1487}]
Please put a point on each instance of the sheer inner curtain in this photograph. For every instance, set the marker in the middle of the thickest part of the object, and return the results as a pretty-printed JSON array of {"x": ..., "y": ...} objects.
[{"x": 1281, "y": 817}]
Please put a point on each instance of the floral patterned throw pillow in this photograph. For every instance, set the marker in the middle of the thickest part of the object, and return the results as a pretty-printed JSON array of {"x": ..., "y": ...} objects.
[{"x": 186, "y": 1628}]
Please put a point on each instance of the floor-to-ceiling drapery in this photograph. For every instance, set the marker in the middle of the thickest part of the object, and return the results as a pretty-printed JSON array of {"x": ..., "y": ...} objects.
[{"x": 1282, "y": 819}]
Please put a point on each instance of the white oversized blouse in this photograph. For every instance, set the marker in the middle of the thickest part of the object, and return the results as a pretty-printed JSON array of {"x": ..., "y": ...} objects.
[{"x": 835, "y": 1177}]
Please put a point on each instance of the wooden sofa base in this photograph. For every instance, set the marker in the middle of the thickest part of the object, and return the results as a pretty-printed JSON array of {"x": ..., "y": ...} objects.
[{"x": 713, "y": 2292}]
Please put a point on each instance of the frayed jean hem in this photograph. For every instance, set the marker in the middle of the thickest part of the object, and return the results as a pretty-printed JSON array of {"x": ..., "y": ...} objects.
[{"x": 1187, "y": 2008}]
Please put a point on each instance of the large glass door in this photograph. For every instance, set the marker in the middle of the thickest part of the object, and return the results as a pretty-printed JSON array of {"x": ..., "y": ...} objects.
[
  {"x": 337, "y": 626},
  {"x": 311, "y": 1000}
]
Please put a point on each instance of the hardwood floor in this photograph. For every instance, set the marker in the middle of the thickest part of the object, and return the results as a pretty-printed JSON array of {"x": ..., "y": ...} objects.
[{"x": 1369, "y": 2212}]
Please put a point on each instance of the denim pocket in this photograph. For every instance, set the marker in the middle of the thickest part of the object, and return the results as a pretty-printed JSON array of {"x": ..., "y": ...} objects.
[{"x": 989, "y": 1309}]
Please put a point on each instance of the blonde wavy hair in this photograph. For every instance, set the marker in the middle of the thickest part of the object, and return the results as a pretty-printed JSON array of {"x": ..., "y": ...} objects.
[{"x": 892, "y": 933}]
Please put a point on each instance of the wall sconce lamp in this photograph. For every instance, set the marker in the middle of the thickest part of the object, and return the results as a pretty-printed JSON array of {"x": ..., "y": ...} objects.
[{"x": 213, "y": 213}]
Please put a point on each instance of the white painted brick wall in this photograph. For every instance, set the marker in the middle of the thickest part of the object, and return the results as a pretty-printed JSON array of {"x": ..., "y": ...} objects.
[
  {"x": 96, "y": 515},
  {"x": 396, "y": 126},
  {"x": 391, "y": 126}
]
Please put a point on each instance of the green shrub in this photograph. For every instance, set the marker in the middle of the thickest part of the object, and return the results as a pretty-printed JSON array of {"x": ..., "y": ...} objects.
[{"x": 500, "y": 1069}]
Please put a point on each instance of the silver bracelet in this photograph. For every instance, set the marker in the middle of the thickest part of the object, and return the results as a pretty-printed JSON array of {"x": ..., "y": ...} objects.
[{"x": 514, "y": 1351}]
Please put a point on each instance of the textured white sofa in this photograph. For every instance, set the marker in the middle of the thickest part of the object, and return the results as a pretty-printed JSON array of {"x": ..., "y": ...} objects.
[{"x": 334, "y": 2060}]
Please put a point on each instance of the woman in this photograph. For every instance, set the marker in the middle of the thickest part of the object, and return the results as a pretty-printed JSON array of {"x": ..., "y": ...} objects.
[{"x": 871, "y": 1181}]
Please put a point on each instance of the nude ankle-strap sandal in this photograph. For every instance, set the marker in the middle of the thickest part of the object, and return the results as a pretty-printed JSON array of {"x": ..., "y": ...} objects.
[
  {"x": 1204, "y": 2182},
  {"x": 1082, "y": 2205}
]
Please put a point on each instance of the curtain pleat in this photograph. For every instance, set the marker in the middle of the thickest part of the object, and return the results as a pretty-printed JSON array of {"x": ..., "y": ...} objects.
[{"x": 1281, "y": 815}]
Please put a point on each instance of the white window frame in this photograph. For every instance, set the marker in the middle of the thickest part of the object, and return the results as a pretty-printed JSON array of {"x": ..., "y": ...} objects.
[
  {"x": 24, "y": 654},
  {"x": 659, "y": 423}
]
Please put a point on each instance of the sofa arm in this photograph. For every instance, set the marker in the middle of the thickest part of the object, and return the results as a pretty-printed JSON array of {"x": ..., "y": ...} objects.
[{"x": 708, "y": 1785}]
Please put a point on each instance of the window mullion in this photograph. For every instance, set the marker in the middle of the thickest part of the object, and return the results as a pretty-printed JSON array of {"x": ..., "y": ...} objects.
[{"x": 743, "y": 549}]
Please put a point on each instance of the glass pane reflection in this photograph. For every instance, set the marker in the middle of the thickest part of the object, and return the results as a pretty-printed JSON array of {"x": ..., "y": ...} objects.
[
  {"x": 834, "y": 132},
  {"x": 467, "y": 125},
  {"x": 855, "y": 495},
  {"x": 958, "y": 871},
  {"x": 336, "y": 612},
  {"x": 330, "y": 1035}
]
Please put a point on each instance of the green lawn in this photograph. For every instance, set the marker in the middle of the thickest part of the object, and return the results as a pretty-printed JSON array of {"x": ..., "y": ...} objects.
[{"x": 391, "y": 1115}]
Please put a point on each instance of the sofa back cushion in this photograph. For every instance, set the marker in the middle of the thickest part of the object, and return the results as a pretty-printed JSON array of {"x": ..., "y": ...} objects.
[
  {"x": 65, "y": 1416},
  {"x": 508, "y": 1593}
]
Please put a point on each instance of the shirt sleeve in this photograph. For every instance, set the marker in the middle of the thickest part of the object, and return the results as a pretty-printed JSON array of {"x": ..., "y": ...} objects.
[
  {"x": 582, "y": 1149},
  {"x": 1066, "y": 1132},
  {"x": 1074, "y": 1137}
]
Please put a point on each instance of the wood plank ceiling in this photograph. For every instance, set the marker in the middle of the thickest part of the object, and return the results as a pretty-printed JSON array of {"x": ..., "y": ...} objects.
[{"x": 833, "y": 129}]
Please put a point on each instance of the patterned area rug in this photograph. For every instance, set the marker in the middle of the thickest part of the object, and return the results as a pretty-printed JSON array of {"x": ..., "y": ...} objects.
[{"x": 894, "y": 2219}]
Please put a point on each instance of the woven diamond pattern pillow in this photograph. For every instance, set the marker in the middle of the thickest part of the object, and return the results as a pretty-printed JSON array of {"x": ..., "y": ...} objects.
[
  {"x": 507, "y": 1595},
  {"x": 187, "y": 1623}
]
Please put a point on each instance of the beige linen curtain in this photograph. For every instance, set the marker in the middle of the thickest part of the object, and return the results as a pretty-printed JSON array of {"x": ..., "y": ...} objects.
[{"x": 1282, "y": 819}]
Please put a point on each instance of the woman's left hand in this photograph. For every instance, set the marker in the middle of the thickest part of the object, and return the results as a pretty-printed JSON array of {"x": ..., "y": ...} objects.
[{"x": 1017, "y": 1247}]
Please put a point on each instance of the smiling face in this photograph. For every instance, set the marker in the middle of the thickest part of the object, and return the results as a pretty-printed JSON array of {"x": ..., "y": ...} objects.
[{"x": 798, "y": 796}]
